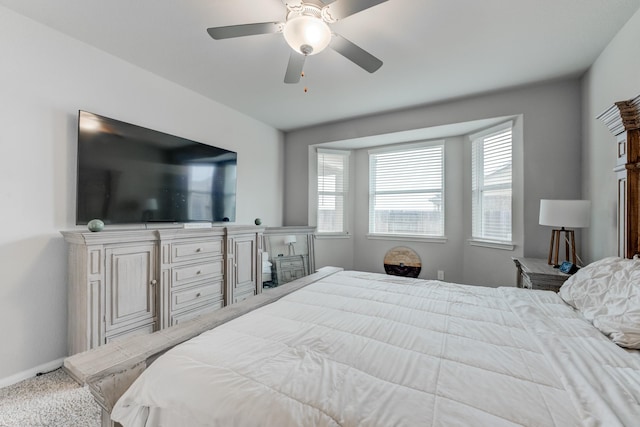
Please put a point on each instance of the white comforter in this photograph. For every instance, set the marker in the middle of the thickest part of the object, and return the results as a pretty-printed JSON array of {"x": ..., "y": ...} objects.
[{"x": 362, "y": 349}]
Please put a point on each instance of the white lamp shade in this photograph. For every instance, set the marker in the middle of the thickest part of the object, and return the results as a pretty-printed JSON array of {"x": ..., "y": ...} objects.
[
  {"x": 307, "y": 35},
  {"x": 289, "y": 239},
  {"x": 565, "y": 213}
]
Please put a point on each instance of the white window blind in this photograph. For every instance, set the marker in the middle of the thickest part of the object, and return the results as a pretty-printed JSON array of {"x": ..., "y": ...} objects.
[
  {"x": 406, "y": 191},
  {"x": 333, "y": 173},
  {"x": 491, "y": 174}
]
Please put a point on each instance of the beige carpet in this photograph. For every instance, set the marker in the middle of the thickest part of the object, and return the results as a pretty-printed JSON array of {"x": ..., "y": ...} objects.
[{"x": 52, "y": 399}]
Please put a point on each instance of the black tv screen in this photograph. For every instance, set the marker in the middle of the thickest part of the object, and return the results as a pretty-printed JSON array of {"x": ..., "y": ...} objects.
[{"x": 128, "y": 174}]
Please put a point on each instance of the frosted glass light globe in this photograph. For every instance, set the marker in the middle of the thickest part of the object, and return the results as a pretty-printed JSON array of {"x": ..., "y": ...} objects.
[{"x": 307, "y": 35}]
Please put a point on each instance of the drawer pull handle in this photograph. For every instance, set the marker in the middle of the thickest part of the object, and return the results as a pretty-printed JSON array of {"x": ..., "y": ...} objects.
[
  {"x": 198, "y": 272},
  {"x": 153, "y": 282},
  {"x": 198, "y": 294},
  {"x": 199, "y": 250}
]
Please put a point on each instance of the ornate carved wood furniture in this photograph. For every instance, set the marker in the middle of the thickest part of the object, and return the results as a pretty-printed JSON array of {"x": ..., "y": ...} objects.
[{"x": 623, "y": 120}]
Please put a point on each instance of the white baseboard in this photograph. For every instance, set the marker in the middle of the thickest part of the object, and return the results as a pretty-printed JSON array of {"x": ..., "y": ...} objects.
[{"x": 30, "y": 373}]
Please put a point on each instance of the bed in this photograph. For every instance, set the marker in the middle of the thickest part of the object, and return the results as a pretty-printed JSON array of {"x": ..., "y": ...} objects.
[
  {"x": 357, "y": 349},
  {"x": 348, "y": 348}
]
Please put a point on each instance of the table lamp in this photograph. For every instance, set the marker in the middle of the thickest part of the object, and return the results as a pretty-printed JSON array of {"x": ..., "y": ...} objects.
[
  {"x": 290, "y": 240},
  {"x": 565, "y": 214}
]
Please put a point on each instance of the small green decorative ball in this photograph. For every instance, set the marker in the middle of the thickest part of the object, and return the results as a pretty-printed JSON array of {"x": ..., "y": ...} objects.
[
  {"x": 95, "y": 225},
  {"x": 258, "y": 221}
]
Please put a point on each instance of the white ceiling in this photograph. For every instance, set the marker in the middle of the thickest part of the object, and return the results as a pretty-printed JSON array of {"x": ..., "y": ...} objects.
[{"x": 433, "y": 50}]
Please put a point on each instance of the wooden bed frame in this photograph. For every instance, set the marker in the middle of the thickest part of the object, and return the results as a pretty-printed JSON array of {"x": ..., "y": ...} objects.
[{"x": 109, "y": 370}]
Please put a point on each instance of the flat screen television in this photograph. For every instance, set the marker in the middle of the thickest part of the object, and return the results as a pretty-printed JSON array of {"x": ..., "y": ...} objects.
[{"x": 129, "y": 174}]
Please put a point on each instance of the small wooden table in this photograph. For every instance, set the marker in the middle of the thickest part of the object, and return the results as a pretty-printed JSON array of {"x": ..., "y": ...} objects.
[{"x": 536, "y": 273}]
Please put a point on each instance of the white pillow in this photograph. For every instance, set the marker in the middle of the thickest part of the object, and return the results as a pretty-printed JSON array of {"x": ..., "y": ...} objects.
[{"x": 607, "y": 293}]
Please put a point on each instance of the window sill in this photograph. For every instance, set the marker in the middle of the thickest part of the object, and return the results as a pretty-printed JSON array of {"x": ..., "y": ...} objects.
[
  {"x": 491, "y": 244},
  {"x": 332, "y": 236},
  {"x": 403, "y": 237}
]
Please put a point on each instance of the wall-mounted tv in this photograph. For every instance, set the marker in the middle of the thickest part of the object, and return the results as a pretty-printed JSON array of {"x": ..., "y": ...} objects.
[{"x": 128, "y": 174}]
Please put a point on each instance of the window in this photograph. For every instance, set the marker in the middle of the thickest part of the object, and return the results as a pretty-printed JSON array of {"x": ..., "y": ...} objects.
[
  {"x": 333, "y": 173},
  {"x": 491, "y": 175},
  {"x": 406, "y": 194}
]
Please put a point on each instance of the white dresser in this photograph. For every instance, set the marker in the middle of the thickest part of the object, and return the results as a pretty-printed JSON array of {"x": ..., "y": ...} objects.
[{"x": 127, "y": 282}]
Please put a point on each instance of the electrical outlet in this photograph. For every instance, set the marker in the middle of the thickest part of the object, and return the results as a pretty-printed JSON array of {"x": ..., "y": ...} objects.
[{"x": 440, "y": 274}]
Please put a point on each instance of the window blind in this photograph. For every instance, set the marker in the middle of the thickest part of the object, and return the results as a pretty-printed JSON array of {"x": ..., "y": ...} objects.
[
  {"x": 333, "y": 172},
  {"x": 406, "y": 191},
  {"x": 491, "y": 174}
]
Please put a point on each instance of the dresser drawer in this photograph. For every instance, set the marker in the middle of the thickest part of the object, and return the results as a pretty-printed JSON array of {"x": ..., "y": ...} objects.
[
  {"x": 544, "y": 283},
  {"x": 291, "y": 264},
  {"x": 190, "y": 273},
  {"x": 196, "y": 295},
  {"x": 195, "y": 312},
  {"x": 195, "y": 250}
]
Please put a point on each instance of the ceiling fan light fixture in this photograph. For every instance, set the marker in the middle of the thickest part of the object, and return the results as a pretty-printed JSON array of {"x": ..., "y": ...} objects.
[{"x": 306, "y": 34}]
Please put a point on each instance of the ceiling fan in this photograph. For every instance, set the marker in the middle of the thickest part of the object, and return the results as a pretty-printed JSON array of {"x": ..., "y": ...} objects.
[{"x": 307, "y": 31}]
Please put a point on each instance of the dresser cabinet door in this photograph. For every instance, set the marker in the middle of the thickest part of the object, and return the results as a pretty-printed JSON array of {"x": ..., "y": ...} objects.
[
  {"x": 130, "y": 290},
  {"x": 243, "y": 253},
  {"x": 245, "y": 262}
]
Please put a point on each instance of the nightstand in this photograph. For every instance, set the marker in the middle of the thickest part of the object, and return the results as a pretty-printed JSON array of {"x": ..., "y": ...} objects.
[{"x": 535, "y": 273}]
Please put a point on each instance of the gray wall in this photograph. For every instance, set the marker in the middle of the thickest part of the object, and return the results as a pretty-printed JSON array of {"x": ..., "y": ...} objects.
[
  {"x": 615, "y": 76},
  {"x": 550, "y": 168}
]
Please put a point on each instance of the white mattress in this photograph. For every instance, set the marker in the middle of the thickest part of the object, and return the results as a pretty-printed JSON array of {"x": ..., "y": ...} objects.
[{"x": 362, "y": 349}]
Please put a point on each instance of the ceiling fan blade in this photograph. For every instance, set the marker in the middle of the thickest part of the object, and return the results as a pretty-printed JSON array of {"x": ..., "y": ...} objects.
[
  {"x": 340, "y": 9},
  {"x": 232, "y": 31},
  {"x": 294, "y": 68},
  {"x": 355, "y": 54}
]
